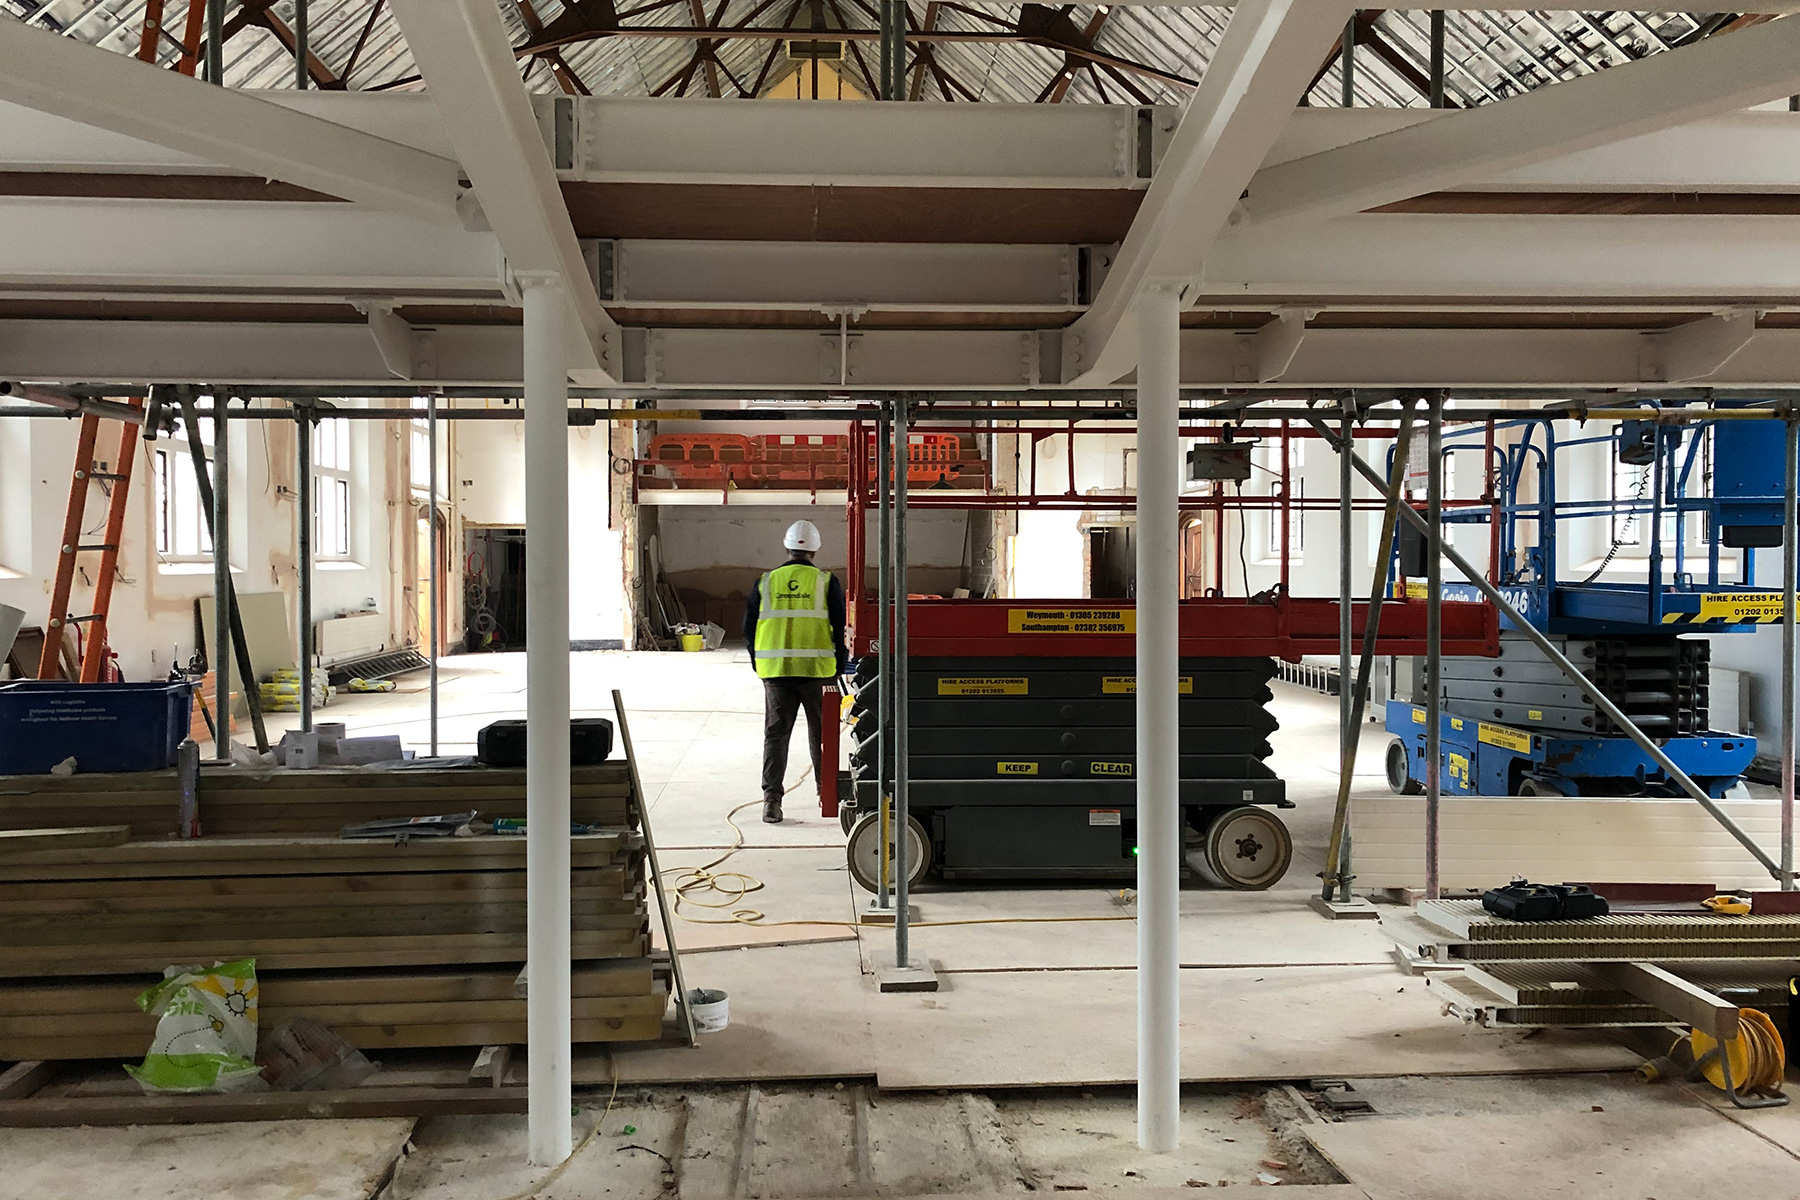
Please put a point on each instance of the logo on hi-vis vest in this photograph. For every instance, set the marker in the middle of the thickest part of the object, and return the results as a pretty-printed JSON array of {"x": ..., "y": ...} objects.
[
  {"x": 793, "y": 584},
  {"x": 1109, "y": 768},
  {"x": 1015, "y": 768}
]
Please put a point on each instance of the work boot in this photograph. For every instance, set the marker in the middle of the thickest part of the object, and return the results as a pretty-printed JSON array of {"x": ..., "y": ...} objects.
[{"x": 772, "y": 811}]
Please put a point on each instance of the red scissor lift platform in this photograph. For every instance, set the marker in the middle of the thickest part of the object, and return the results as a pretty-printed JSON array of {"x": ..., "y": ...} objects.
[{"x": 1022, "y": 720}]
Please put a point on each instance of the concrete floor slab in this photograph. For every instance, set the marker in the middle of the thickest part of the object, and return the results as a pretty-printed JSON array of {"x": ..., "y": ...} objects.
[
  {"x": 1218, "y": 928},
  {"x": 798, "y": 884},
  {"x": 1653, "y": 1151},
  {"x": 1024, "y": 1029},
  {"x": 797, "y": 1012},
  {"x": 262, "y": 1160}
]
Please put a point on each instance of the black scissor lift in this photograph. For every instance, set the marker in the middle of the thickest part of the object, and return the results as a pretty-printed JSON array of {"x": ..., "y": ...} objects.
[{"x": 1025, "y": 768}]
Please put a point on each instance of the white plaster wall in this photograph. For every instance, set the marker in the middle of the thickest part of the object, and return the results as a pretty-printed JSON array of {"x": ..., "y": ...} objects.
[
  {"x": 153, "y": 603},
  {"x": 489, "y": 489}
]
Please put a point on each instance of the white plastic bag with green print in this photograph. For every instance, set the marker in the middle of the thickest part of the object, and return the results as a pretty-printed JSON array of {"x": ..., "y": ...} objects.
[{"x": 205, "y": 1032}]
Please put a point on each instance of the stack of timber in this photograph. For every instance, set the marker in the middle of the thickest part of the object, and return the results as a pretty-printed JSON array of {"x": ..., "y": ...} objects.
[
  {"x": 1589, "y": 972},
  {"x": 393, "y": 944}
]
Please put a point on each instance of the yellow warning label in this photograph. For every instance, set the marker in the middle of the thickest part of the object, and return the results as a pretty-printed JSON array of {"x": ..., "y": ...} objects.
[
  {"x": 1456, "y": 722},
  {"x": 1750, "y": 607},
  {"x": 1415, "y": 590},
  {"x": 1506, "y": 739},
  {"x": 1418, "y": 716},
  {"x": 1071, "y": 620},
  {"x": 1126, "y": 685},
  {"x": 985, "y": 686},
  {"x": 1534, "y": 714},
  {"x": 1459, "y": 767},
  {"x": 1015, "y": 768},
  {"x": 1109, "y": 768}
]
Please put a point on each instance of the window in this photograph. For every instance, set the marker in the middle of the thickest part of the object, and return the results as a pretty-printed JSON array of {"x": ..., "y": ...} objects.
[
  {"x": 421, "y": 456},
  {"x": 182, "y": 532},
  {"x": 331, "y": 488},
  {"x": 1267, "y": 457},
  {"x": 1632, "y": 483}
]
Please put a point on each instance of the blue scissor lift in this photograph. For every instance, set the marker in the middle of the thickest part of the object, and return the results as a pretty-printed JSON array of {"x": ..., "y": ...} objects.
[{"x": 1494, "y": 741}]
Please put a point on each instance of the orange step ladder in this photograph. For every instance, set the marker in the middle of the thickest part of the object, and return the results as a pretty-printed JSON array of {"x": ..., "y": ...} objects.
[{"x": 93, "y": 658}]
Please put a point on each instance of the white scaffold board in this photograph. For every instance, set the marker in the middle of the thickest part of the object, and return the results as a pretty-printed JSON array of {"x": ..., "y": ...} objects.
[{"x": 1486, "y": 840}]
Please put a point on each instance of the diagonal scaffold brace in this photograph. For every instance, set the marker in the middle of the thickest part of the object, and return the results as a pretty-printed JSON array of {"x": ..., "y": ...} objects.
[
  {"x": 1337, "y": 866},
  {"x": 241, "y": 648},
  {"x": 1572, "y": 672}
]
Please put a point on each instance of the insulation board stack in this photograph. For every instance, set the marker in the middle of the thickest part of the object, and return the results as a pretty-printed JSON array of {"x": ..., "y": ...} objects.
[
  {"x": 1540, "y": 973},
  {"x": 1028, "y": 765},
  {"x": 391, "y": 944}
]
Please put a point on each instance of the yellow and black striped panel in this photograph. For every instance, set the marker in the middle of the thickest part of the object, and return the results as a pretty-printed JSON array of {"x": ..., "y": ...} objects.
[{"x": 1732, "y": 608}]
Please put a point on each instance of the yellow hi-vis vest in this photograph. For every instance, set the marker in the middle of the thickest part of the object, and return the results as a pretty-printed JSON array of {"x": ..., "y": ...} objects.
[{"x": 793, "y": 626}]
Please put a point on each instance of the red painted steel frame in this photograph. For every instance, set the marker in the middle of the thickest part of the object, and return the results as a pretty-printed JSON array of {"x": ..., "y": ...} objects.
[
  {"x": 1274, "y": 626},
  {"x": 1222, "y": 627},
  {"x": 829, "y": 732}
]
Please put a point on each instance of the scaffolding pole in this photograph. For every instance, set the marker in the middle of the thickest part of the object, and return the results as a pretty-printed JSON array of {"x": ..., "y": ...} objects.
[
  {"x": 431, "y": 552},
  {"x": 225, "y": 634},
  {"x": 303, "y": 519},
  {"x": 1346, "y": 530},
  {"x": 1337, "y": 853},
  {"x": 902, "y": 719},
  {"x": 884, "y": 652},
  {"x": 1573, "y": 673},
  {"x": 1789, "y": 566},
  {"x": 1434, "y": 639}
]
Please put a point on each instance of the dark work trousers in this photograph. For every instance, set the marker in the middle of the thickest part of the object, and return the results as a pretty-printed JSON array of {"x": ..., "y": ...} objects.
[{"x": 783, "y": 698}]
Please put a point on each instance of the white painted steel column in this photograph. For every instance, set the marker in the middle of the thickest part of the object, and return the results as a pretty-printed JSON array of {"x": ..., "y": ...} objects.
[
  {"x": 1158, "y": 717},
  {"x": 547, "y": 917}
]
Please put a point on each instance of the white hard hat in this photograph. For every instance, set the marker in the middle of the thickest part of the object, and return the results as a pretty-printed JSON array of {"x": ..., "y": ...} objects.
[{"x": 802, "y": 535}]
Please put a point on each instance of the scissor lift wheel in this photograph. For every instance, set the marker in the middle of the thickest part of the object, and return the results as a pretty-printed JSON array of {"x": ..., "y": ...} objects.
[
  {"x": 1246, "y": 849},
  {"x": 1399, "y": 774},
  {"x": 864, "y": 852}
]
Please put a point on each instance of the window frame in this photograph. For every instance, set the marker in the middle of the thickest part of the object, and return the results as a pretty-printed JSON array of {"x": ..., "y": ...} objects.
[
  {"x": 332, "y": 476},
  {"x": 172, "y": 461}
]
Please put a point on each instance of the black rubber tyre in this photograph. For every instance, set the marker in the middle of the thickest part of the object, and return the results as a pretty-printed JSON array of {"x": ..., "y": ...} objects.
[
  {"x": 847, "y": 817},
  {"x": 1399, "y": 770},
  {"x": 863, "y": 852},
  {"x": 1246, "y": 849}
]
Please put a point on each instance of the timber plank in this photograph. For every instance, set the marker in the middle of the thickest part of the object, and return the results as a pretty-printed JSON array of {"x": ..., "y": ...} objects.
[
  {"x": 44, "y": 1112},
  {"x": 339, "y": 1016},
  {"x": 17, "y": 841},
  {"x": 306, "y": 953},
  {"x": 262, "y": 891},
  {"x": 23, "y": 1078},
  {"x": 607, "y": 977}
]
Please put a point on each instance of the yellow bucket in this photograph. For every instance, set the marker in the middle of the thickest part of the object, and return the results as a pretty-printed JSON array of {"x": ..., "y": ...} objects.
[{"x": 693, "y": 641}]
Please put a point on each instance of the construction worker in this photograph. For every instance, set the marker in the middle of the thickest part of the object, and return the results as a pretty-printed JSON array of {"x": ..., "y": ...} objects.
[{"x": 794, "y": 626}]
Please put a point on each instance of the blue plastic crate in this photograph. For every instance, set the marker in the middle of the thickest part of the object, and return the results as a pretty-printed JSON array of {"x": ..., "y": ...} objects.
[{"x": 102, "y": 726}]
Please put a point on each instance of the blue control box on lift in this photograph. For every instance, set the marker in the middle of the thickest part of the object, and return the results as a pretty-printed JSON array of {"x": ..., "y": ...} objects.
[
  {"x": 1481, "y": 758},
  {"x": 1748, "y": 458}
]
